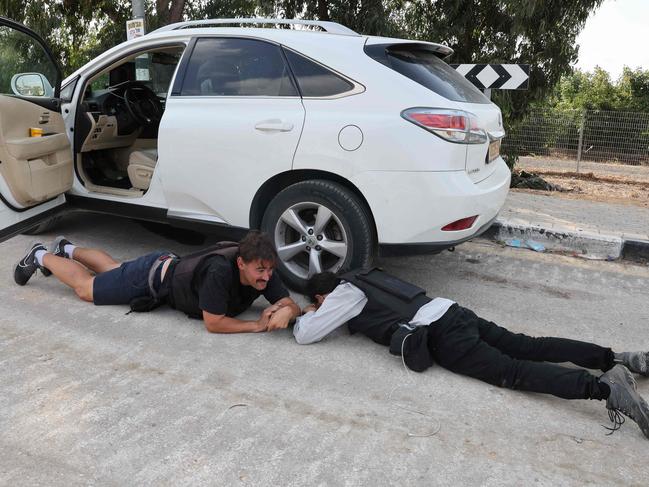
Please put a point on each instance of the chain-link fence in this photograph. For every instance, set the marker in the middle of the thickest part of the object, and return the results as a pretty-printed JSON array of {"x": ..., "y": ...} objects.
[{"x": 590, "y": 135}]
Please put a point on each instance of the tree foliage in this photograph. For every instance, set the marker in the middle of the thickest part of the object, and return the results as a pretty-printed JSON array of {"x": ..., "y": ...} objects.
[
  {"x": 541, "y": 33},
  {"x": 597, "y": 91}
]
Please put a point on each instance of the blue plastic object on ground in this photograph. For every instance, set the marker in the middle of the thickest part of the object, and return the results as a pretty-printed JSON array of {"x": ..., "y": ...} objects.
[{"x": 527, "y": 244}]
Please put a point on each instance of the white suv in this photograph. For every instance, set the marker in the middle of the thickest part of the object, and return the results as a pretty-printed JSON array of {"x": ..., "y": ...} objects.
[{"x": 339, "y": 145}]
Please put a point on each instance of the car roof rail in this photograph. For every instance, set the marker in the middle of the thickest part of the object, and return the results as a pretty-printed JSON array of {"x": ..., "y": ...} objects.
[{"x": 330, "y": 27}]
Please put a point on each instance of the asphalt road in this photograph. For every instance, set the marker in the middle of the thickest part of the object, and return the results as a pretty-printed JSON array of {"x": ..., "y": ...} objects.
[{"x": 91, "y": 396}]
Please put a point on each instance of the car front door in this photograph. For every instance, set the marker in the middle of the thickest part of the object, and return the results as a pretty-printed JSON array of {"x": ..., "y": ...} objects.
[
  {"x": 35, "y": 156},
  {"x": 233, "y": 121}
]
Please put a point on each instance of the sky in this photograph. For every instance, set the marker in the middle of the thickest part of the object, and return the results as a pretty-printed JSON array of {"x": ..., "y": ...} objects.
[{"x": 615, "y": 36}]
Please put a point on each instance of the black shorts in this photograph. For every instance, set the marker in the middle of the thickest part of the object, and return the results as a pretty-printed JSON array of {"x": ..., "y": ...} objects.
[{"x": 125, "y": 283}]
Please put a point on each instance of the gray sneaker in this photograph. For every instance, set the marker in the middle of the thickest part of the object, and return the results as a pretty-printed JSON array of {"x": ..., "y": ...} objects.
[
  {"x": 58, "y": 246},
  {"x": 625, "y": 400},
  {"x": 637, "y": 362}
]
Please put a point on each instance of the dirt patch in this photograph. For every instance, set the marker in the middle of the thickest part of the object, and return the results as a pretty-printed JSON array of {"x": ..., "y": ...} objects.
[{"x": 607, "y": 188}]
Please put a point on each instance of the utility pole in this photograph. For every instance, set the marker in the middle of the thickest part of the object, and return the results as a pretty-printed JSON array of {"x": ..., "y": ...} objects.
[
  {"x": 137, "y": 28},
  {"x": 138, "y": 9}
]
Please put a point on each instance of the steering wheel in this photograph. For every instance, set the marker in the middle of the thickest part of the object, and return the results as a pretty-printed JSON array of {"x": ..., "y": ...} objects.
[{"x": 143, "y": 104}]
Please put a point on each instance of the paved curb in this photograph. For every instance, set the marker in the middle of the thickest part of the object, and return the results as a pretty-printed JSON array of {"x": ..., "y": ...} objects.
[
  {"x": 636, "y": 251},
  {"x": 582, "y": 243}
]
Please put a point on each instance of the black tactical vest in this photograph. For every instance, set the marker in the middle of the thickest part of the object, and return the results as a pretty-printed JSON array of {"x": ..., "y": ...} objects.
[
  {"x": 183, "y": 294},
  {"x": 390, "y": 301}
]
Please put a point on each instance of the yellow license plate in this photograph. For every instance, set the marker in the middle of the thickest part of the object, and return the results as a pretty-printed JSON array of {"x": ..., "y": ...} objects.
[{"x": 494, "y": 150}]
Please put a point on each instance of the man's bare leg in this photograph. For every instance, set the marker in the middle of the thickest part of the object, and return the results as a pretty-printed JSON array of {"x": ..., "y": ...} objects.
[
  {"x": 96, "y": 260},
  {"x": 72, "y": 274}
]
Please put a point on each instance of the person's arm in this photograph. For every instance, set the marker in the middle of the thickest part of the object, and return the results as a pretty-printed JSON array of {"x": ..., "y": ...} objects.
[
  {"x": 225, "y": 324},
  {"x": 341, "y": 305},
  {"x": 288, "y": 311}
]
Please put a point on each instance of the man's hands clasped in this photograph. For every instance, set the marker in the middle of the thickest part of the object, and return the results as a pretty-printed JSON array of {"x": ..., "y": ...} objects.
[{"x": 277, "y": 316}]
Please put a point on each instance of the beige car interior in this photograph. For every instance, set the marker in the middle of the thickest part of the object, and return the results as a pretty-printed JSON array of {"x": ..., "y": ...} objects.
[
  {"x": 141, "y": 164},
  {"x": 130, "y": 156},
  {"x": 114, "y": 160},
  {"x": 104, "y": 135},
  {"x": 35, "y": 168}
]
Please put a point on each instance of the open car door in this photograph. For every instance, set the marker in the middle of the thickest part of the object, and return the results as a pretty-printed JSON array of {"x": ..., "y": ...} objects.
[{"x": 36, "y": 164}]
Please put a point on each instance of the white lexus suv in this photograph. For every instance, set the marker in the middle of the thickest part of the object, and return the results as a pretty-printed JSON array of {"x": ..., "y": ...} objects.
[{"x": 339, "y": 145}]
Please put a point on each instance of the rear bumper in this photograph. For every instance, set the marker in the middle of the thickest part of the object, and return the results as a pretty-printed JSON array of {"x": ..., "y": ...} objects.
[
  {"x": 393, "y": 250},
  {"x": 410, "y": 208}
]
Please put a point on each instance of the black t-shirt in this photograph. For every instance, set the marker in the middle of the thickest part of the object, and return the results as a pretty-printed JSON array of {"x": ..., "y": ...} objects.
[{"x": 220, "y": 291}]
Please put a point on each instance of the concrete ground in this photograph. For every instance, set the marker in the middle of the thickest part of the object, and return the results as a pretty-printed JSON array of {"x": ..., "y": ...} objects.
[{"x": 91, "y": 396}]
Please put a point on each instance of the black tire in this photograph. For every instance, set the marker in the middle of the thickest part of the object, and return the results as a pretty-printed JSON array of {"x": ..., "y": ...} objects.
[
  {"x": 349, "y": 212},
  {"x": 46, "y": 226}
]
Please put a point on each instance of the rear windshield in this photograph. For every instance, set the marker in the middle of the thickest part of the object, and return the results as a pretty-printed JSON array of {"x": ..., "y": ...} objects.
[{"x": 425, "y": 68}]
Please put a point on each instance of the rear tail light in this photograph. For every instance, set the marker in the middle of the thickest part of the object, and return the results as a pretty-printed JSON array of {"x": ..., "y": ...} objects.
[
  {"x": 462, "y": 224},
  {"x": 452, "y": 125}
]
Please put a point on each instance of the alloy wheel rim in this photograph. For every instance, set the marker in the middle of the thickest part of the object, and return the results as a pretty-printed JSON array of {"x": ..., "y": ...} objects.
[{"x": 310, "y": 238}]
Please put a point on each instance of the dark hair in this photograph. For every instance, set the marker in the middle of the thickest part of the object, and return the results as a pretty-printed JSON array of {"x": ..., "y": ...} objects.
[
  {"x": 257, "y": 245},
  {"x": 322, "y": 283}
]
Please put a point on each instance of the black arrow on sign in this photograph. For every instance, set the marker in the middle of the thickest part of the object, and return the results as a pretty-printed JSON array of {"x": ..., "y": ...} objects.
[
  {"x": 473, "y": 73},
  {"x": 503, "y": 73}
]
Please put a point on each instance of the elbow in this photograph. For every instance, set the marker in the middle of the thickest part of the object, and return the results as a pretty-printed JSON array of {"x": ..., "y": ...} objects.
[{"x": 302, "y": 340}]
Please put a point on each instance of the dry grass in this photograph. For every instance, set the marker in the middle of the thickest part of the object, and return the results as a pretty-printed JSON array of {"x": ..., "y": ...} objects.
[{"x": 606, "y": 188}]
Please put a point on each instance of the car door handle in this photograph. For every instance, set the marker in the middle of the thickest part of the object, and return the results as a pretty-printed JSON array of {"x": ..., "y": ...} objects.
[{"x": 274, "y": 126}]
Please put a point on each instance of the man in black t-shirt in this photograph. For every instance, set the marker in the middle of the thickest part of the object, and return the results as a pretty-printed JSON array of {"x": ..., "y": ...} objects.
[
  {"x": 221, "y": 292},
  {"x": 214, "y": 288},
  {"x": 227, "y": 287}
]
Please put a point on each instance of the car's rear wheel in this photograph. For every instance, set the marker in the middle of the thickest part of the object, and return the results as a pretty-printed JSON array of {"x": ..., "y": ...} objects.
[{"x": 318, "y": 226}]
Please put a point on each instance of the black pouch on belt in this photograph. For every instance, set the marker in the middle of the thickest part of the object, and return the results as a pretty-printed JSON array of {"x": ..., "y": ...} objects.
[
  {"x": 413, "y": 343},
  {"x": 144, "y": 304}
]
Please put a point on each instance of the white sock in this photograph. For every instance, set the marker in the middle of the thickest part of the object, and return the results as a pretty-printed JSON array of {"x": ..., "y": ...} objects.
[
  {"x": 69, "y": 250},
  {"x": 38, "y": 255}
]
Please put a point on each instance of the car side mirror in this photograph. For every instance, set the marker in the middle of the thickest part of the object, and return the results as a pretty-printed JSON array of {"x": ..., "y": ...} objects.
[{"x": 31, "y": 84}]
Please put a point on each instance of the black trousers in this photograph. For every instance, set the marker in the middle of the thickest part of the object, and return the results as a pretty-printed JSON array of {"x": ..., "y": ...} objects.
[{"x": 467, "y": 344}]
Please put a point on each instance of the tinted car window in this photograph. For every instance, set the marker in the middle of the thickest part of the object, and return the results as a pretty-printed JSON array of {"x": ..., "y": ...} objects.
[
  {"x": 237, "y": 67},
  {"x": 425, "y": 68},
  {"x": 314, "y": 79}
]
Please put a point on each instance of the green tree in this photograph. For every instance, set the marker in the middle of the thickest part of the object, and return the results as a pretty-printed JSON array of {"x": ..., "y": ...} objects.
[
  {"x": 634, "y": 90},
  {"x": 584, "y": 91},
  {"x": 596, "y": 90},
  {"x": 75, "y": 30},
  {"x": 79, "y": 30}
]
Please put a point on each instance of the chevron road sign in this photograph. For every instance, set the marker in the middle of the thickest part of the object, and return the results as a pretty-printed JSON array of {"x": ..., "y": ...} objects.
[{"x": 496, "y": 76}]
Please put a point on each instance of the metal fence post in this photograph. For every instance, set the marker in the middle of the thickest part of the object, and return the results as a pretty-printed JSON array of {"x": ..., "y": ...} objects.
[{"x": 581, "y": 138}]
